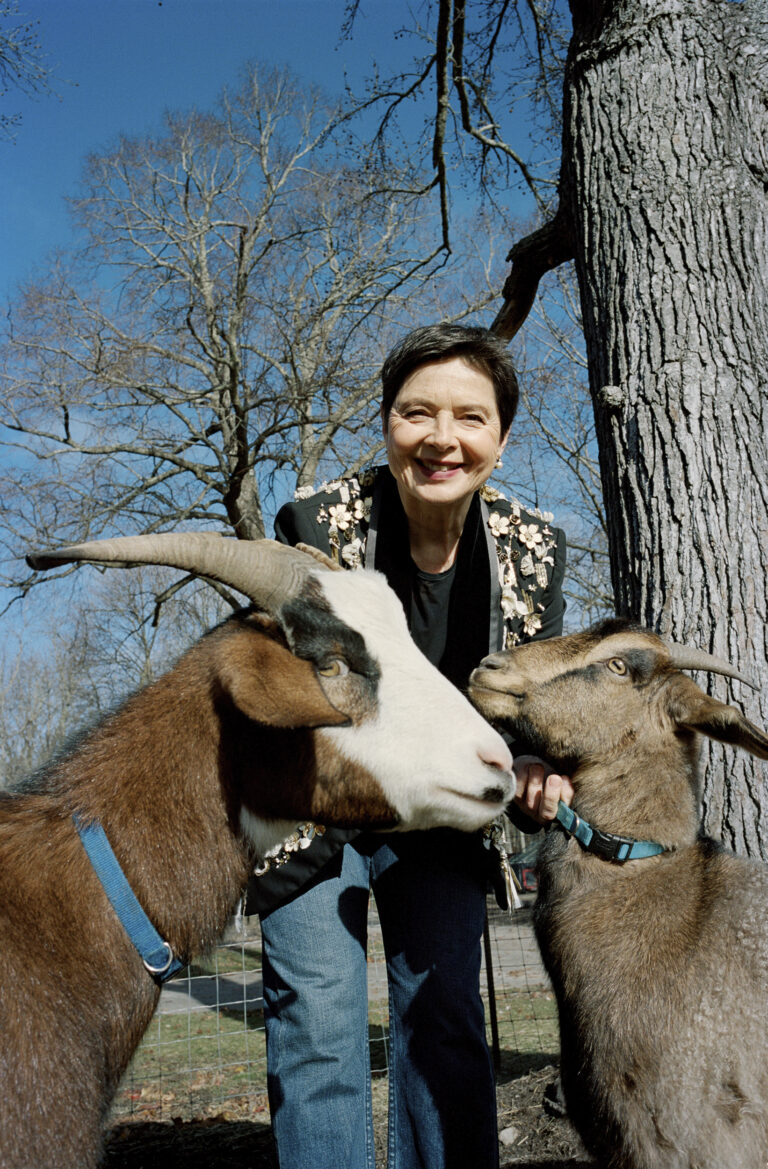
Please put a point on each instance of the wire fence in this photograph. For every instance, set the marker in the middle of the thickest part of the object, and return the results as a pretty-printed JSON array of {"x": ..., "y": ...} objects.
[{"x": 204, "y": 1054}]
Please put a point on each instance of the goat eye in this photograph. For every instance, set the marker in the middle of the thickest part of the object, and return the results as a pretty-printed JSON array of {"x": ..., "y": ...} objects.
[
  {"x": 618, "y": 666},
  {"x": 334, "y": 669}
]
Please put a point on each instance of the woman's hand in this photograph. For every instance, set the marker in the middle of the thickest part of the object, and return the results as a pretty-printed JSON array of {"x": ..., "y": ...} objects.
[{"x": 539, "y": 788}]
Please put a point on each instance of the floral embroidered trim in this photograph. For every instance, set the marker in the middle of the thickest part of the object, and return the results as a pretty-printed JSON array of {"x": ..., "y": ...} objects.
[
  {"x": 281, "y": 853},
  {"x": 519, "y": 584},
  {"x": 343, "y": 518},
  {"x": 520, "y": 576},
  {"x": 491, "y": 494}
]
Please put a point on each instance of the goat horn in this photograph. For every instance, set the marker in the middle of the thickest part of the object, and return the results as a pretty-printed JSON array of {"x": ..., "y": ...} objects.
[
  {"x": 263, "y": 570},
  {"x": 684, "y": 657},
  {"x": 320, "y": 557}
]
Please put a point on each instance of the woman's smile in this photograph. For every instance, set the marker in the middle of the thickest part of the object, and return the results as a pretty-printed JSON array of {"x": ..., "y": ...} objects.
[{"x": 438, "y": 470}]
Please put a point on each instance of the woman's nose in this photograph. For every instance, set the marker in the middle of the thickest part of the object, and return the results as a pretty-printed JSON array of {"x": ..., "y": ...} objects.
[{"x": 443, "y": 432}]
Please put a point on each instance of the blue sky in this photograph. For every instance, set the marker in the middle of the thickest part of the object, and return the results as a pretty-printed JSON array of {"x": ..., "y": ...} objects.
[{"x": 121, "y": 63}]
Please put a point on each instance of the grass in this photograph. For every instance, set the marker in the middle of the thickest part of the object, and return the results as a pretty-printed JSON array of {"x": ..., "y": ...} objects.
[
  {"x": 188, "y": 1062},
  {"x": 193, "y": 1064},
  {"x": 227, "y": 960},
  {"x": 527, "y": 1021},
  {"x": 206, "y": 1062}
]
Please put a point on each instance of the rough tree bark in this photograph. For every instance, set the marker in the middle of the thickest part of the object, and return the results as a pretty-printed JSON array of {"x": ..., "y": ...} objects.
[{"x": 663, "y": 187}]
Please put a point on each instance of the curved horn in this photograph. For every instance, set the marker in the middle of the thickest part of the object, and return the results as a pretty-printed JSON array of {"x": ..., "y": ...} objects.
[
  {"x": 320, "y": 557},
  {"x": 263, "y": 570},
  {"x": 684, "y": 657}
]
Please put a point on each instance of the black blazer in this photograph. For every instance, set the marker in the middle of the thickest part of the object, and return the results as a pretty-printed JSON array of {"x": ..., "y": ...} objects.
[{"x": 507, "y": 589}]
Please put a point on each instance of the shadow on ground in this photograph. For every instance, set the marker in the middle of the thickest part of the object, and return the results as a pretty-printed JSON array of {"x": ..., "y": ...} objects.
[
  {"x": 534, "y": 1138},
  {"x": 194, "y": 1144}
]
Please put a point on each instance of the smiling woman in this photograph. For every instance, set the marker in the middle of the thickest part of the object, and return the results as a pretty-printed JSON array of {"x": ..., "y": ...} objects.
[
  {"x": 472, "y": 571},
  {"x": 444, "y": 438}
]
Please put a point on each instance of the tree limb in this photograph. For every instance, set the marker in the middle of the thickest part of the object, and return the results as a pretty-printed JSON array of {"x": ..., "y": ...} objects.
[{"x": 540, "y": 252}]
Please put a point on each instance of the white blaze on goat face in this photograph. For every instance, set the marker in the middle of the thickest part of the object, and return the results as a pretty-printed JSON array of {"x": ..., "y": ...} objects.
[{"x": 436, "y": 759}]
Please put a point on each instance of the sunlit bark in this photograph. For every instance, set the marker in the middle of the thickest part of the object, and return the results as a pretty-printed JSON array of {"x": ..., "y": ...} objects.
[{"x": 663, "y": 182}]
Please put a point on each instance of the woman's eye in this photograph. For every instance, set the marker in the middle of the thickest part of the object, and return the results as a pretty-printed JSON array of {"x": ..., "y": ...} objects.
[
  {"x": 334, "y": 669},
  {"x": 618, "y": 666}
]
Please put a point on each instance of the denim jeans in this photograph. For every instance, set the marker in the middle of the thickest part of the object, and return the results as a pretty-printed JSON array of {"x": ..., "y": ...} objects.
[{"x": 430, "y": 895}]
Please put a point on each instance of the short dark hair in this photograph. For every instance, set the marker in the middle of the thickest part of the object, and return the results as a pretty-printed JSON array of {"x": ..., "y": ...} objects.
[{"x": 480, "y": 348}]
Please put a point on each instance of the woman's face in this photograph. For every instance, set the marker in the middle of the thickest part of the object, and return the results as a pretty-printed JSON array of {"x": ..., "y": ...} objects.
[{"x": 443, "y": 433}]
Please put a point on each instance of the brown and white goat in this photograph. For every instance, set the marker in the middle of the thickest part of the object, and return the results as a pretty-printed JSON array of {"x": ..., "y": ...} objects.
[
  {"x": 659, "y": 965},
  {"x": 316, "y": 705}
]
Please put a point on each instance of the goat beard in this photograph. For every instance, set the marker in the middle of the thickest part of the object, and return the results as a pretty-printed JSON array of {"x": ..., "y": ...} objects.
[{"x": 527, "y": 740}]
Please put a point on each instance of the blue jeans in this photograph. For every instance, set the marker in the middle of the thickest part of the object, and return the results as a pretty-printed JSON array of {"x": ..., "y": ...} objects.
[{"x": 430, "y": 895}]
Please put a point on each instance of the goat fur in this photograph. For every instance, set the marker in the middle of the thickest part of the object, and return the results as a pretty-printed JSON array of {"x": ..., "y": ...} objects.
[
  {"x": 660, "y": 966},
  {"x": 190, "y": 778}
]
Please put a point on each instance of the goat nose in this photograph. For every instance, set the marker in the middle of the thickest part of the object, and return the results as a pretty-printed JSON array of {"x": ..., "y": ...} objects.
[
  {"x": 493, "y": 662},
  {"x": 495, "y": 795},
  {"x": 497, "y": 756}
]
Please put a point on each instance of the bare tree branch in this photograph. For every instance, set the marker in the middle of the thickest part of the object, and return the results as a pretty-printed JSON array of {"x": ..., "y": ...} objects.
[
  {"x": 22, "y": 62},
  {"x": 540, "y": 252},
  {"x": 219, "y": 331}
]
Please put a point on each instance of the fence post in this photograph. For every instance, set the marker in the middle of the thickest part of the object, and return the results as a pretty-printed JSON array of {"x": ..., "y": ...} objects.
[{"x": 495, "y": 1047}]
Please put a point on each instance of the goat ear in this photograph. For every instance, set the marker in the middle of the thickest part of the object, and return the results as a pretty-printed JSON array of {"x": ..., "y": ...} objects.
[
  {"x": 690, "y": 707},
  {"x": 272, "y": 686}
]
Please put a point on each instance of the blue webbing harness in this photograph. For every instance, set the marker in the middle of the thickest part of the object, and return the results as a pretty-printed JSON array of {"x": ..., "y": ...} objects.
[{"x": 156, "y": 954}]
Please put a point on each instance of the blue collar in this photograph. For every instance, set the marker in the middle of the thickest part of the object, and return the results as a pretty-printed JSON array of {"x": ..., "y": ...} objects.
[
  {"x": 607, "y": 845},
  {"x": 157, "y": 955}
]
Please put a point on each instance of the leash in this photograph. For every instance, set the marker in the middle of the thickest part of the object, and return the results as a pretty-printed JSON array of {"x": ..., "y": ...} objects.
[
  {"x": 607, "y": 845},
  {"x": 156, "y": 954}
]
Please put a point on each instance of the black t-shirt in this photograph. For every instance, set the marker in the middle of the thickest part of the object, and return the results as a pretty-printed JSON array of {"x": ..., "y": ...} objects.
[{"x": 430, "y": 595}]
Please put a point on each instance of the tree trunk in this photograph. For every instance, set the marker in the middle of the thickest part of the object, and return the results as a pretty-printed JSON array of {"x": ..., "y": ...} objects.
[{"x": 664, "y": 183}]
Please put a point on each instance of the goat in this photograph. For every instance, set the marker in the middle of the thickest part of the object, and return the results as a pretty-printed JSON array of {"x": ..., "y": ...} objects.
[
  {"x": 314, "y": 705},
  {"x": 659, "y": 965}
]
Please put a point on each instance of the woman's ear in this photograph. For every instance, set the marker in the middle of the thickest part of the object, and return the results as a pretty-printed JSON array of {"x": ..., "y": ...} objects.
[{"x": 383, "y": 421}]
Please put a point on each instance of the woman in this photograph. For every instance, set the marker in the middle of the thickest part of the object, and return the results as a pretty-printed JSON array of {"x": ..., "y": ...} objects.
[{"x": 474, "y": 572}]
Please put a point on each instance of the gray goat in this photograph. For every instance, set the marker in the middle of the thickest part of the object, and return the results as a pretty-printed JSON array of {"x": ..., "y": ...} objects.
[
  {"x": 316, "y": 705},
  {"x": 654, "y": 936}
]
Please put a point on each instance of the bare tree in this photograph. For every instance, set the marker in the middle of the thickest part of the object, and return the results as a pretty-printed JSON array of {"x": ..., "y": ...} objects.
[
  {"x": 221, "y": 325},
  {"x": 42, "y": 698},
  {"x": 663, "y": 192},
  {"x": 491, "y": 74},
  {"x": 22, "y": 62},
  {"x": 555, "y": 448},
  {"x": 82, "y": 648}
]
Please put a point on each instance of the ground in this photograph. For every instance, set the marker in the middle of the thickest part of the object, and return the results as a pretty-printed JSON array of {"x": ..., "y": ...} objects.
[
  {"x": 240, "y": 1137},
  {"x": 539, "y": 1140}
]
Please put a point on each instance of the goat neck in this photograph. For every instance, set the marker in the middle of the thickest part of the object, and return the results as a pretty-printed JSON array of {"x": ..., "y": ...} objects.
[
  {"x": 170, "y": 816},
  {"x": 642, "y": 794}
]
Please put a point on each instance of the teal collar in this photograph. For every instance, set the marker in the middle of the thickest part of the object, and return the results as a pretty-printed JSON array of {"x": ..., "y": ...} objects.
[{"x": 607, "y": 845}]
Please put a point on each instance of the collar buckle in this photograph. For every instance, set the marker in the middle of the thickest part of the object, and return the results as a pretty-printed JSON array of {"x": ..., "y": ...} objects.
[{"x": 610, "y": 846}]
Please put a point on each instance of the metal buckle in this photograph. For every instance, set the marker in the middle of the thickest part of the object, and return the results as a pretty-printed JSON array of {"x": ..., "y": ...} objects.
[{"x": 159, "y": 971}]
